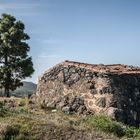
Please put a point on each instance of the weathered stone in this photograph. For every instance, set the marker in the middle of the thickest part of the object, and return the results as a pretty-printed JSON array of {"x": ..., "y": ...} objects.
[
  {"x": 93, "y": 91},
  {"x": 76, "y": 102},
  {"x": 88, "y": 89},
  {"x": 66, "y": 70},
  {"x": 101, "y": 102},
  {"x": 75, "y": 77},
  {"x": 63, "y": 102},
  {"x": 72, "y": 70},
  {"x": 66, "y": 109},
  {"x": 111, "y": 112},
  {"x": 51, "y": 104},
  {"x": 61, "y": 76},
  {"x": 81, "y": 109}
]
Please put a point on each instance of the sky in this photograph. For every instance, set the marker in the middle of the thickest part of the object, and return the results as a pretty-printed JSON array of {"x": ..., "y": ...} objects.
[{"x": 90, "y": 31}]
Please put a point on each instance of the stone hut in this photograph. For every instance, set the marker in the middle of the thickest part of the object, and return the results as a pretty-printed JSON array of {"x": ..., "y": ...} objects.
[{"x": 113, "y": 90}]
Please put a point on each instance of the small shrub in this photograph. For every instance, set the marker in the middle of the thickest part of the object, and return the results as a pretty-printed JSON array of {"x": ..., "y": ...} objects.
[
  {"x": 3, "y": 109},
  {"x": 23, "y": 102},
  {"x": 131, "y": 132},
  {"x": 117, "y": 129},
  {"x": 106, "y": 124},
  {"x": 12, "y": 132},
  {"x": 22, "y": 110}
]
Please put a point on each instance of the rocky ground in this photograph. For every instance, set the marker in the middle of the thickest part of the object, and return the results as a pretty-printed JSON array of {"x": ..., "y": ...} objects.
[{"x": 21, "y": 119}]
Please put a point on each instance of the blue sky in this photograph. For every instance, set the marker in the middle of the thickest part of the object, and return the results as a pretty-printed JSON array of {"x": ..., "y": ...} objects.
[{"x": 91, "y": 31}]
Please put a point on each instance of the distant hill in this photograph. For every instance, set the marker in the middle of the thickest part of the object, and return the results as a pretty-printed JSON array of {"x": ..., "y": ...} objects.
[{"x": 26, "y": 90}]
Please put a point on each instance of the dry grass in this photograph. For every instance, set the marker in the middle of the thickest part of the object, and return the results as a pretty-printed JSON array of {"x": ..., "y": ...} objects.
[{"x": 31, "y": 123}]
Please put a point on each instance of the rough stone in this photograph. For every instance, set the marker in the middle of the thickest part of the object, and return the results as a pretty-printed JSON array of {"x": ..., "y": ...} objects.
[
  {"x": 87, "y": 89},
  {"x": 66, "y": 109},
  {"x": 101, "y": 102},
  {"x": 51, "y": 104},
  {"x": 111, "y": 112}
]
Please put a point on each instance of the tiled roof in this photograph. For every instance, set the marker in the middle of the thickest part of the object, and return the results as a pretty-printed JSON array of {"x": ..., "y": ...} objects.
[{"x": 116, "y": 68}]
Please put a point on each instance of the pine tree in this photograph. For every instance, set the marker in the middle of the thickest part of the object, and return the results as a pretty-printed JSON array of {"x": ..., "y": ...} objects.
[{"x": 15, "y": 64}]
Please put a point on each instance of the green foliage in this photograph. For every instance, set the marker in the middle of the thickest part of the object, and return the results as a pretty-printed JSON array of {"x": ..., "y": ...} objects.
[
  {"x": 3, "y": 109},
  {"x": 21, "y": 128},
  {"x": 22, "y": 110},
  {"x": 104, "y": 123},
  {"x": 14, "y": 106},
  {"x": 15, "y": 64},
  {"x": 22, "y": 105},
  {"x": 23, "y": 102},
  {"x": 131, "y": 132},
  {"x": 12, "y": 132},
  {"x": 24, "y": 123}
]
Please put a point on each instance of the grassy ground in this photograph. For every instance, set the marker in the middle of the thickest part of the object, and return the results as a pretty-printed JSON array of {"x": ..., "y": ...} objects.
[{"x": 20, "y": 120}]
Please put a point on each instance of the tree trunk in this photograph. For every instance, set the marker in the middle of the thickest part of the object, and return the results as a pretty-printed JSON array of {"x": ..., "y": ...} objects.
[
  {"x": 7, "y": 79},
  {"x": 7, "y": 93}
]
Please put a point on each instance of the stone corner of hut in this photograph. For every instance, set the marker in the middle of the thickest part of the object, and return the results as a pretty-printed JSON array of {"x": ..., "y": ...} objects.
[{"x": 87, "y": 89}]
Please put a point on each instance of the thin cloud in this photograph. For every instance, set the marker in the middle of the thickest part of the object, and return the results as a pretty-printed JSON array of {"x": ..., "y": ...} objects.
[
  {"x": 50, "y": 41},
  {"x": 7, "y": 6},
  {"x": 43, "y": 55},
  {"x": 20, "y": 9}
]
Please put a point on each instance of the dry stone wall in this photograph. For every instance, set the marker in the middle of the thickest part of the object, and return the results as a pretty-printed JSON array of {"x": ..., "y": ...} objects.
[{"x": 92, "y": 89}]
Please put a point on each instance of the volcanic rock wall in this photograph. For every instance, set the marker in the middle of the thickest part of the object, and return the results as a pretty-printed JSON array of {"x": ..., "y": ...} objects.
[{"x": 87, "y": 89}]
